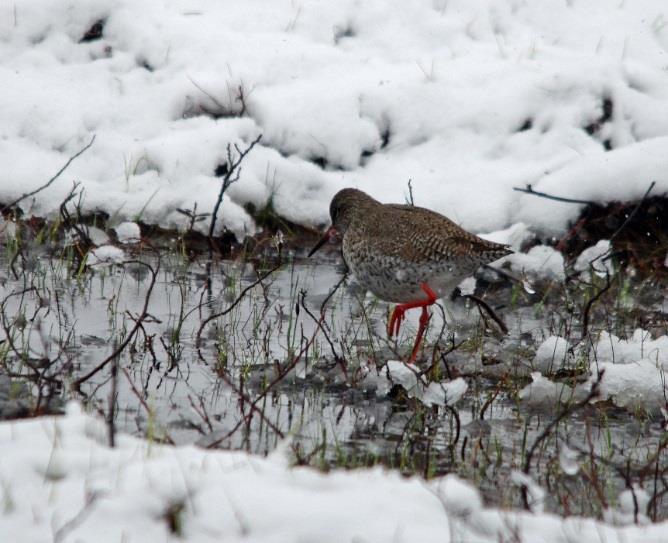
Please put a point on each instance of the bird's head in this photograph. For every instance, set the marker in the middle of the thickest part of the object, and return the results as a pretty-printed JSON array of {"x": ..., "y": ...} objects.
[{"x": 346, "y": 206}]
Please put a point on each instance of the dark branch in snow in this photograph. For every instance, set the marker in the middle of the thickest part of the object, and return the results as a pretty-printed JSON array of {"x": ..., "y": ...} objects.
[
  {"x": 483, "y": 305},
  {"x": 56, "y": 176},
  {"x": 529, "y": 190},
  {"x": 231, "y": 176},
  {"x": 566, "y": 411},
  {"x": 76, "y": 385},
  {"x": 590, "y": 304},
  {"x": 635, "y": 210}
]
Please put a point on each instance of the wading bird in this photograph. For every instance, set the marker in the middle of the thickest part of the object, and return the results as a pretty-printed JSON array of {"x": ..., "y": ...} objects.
[{"x": 405, "y": 254}]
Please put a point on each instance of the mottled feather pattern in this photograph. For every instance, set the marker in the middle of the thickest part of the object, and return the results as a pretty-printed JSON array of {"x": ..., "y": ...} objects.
[{"x": 392, "y": 249}]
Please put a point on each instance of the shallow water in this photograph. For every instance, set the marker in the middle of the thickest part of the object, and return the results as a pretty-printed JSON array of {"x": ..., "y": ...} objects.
[{"x": 167, "y": 388}]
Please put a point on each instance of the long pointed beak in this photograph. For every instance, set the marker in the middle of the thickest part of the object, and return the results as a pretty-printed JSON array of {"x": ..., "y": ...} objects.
[{"x": 329, "y": 234}]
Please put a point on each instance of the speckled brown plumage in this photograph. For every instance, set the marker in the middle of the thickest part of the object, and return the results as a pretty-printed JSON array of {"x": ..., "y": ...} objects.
[
  {"x": 405, "y": 254},
  {"x": 392, "y": 249}
]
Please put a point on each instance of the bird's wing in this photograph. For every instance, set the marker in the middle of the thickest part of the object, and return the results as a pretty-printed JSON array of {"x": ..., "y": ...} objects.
[{"x": 425, "y": 234}]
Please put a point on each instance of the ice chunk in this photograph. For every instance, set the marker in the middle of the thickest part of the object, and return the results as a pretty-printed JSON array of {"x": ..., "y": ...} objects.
[
  {"x": 406, "y": 375},
  {"x": 610, "y": 348},
  {"x": 105, "y": 255},
  {"x": 552, "y": 355},
  {"x": 594, "y": 259},
  {"x": 541, "y": 261},
  {"x": 568, "y": 460},
  {"x": 543, "y": 393},
  {"x": 638, "y": 385},
  {"x": 128, "y": 232}
]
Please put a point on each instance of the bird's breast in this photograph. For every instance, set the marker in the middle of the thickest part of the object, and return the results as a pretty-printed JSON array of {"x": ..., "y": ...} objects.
[{"x": 396, "y": 279}]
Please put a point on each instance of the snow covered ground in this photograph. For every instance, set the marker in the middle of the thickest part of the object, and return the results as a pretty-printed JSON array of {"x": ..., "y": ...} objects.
[
  {"x": 465, "y": 98},
  {"x": 60, "y": 482}
]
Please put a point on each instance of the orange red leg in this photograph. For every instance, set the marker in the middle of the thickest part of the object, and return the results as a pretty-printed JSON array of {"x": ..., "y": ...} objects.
[
  {"x": 399, "y": 314},
  {"x": 424, "y": 319}
]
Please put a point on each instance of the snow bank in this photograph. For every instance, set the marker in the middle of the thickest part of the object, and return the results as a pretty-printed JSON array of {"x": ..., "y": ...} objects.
[
  {"x": 466, "y": 99},
  {"x": 61, "y": 482}
]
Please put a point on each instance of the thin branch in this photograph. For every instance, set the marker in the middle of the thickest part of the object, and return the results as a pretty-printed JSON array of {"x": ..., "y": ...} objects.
[
  {"x": 483, "y": 305},
  {"x": 552, "y": 424},
  {"x": 270, "y": 386},
  {"x": 229, "y": 308},
  {"x": 590, "y": 304},
  {"x": 635, "y": 210},
  {"x": 56, "y": 176},
  {"x": 143, "y": 315},
  {"x": 142, "y": 401},
  {"x": 232, "y": 176},
  {"x": 529, "y": 190},
  {"x": 75, "y": 521}
]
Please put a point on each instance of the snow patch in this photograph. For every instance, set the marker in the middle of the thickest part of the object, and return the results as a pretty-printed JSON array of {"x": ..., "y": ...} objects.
[
  {"x": 443, "y": 393},
  {"x": 128, "y": 232},
  {"x": 105, "y": 256}
]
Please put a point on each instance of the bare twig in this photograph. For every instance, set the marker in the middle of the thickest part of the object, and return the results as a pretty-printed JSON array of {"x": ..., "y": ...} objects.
[
  {"x": 229, "y": 308},
  {"x": 529, "y": 190},
  {"x": 143, "y": 403},
  {"x": 635, "y": 210},
  {"x": 138, "y": 322},
  {"x": 228, "y": 380},
  {"x": 231, "y": 176},
  {"x": 56, "y": 176},
  {"x": 320, "y": 322},
  {"x": 410, "y": 201},
  {"x": 283, "y": 371},
  {"x": 75, "y": 521},
  {"x": 566, "y": 411},
  {"x": 74, "y": 224},
  {"x": 483, "y": 305},
  {"x": 113, "y": 397},
  {"x": 590, "y": 304}
]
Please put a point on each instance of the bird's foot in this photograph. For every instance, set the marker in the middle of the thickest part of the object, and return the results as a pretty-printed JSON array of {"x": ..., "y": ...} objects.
[{"x": 399, "y": 313}]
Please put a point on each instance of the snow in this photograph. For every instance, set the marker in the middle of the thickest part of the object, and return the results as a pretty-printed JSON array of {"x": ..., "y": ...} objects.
[
  {"x": 539, "y": 261},
  {"x": 406, "y": 375},
  {"x": 62, "y": 482},
  {"x": 542, "y": 393},
  {"x": 594, "y": 259},
  {"x": 638, "y": 385},
  {"x": 465, "y": 99},
  {"x": 105, "y": 255},
  {"x": 128, "y": 232},
  {"x": 610, "y": 348},
  {"x": 553, "y": 355},
  {"x": 634, "y": 372}
]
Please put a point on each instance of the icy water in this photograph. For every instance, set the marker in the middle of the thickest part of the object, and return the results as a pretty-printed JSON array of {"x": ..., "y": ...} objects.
[{"x": 268, "y": 373}]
